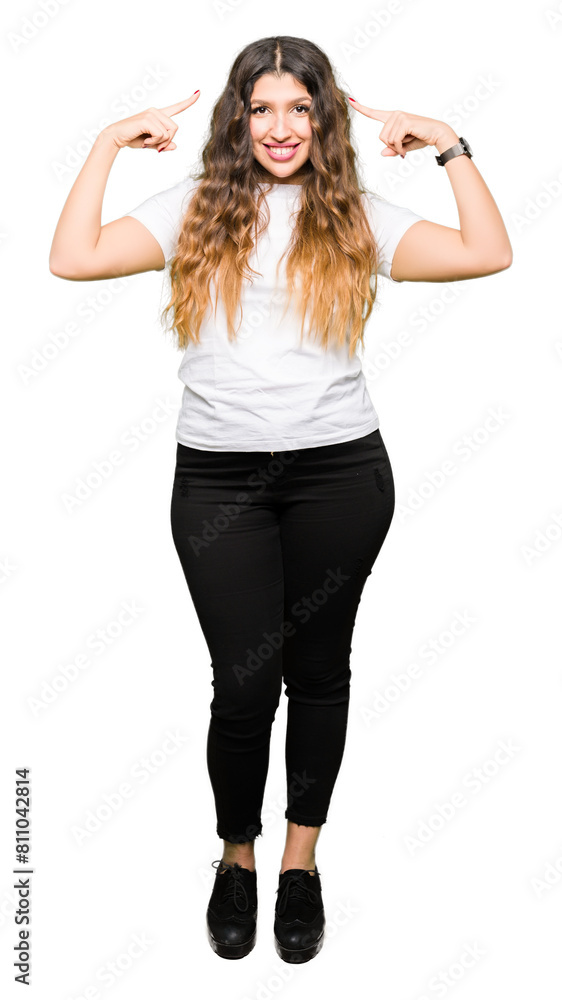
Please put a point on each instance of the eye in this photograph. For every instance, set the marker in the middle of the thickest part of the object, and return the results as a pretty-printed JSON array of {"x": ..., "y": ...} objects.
[{"x": 263, "y": 107}]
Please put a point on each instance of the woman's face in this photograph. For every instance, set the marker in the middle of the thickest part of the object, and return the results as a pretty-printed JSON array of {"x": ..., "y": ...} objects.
[{"x": 279, "y": 117}]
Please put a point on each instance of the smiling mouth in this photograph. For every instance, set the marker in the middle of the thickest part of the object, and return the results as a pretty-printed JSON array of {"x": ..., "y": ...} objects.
[{"x": 281, "y": 151}]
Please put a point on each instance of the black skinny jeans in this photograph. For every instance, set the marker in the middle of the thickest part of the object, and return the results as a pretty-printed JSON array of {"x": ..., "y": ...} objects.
[{"x": 276, "y": 550}]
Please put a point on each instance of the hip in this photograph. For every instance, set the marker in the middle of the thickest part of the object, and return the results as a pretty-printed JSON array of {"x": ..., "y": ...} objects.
[{"x": 350, "y": 464}]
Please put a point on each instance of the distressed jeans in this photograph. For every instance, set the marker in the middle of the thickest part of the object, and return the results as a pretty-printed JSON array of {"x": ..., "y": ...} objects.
[{"x": 276, "y": 550}]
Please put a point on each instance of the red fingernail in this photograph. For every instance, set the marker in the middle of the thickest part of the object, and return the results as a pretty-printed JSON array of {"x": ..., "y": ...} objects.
[
  {"x": 351, "y": 98},
  {"x": 195, "y": 91}
]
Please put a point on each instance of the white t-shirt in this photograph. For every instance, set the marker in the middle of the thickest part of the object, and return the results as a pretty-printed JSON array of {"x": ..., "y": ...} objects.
[{"x": 265, "y": 391}]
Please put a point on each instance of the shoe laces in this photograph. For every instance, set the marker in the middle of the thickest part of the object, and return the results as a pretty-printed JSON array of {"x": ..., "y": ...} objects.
[
  {"x": 235, "y": 888},
  {"x": 296, "y": 886}
]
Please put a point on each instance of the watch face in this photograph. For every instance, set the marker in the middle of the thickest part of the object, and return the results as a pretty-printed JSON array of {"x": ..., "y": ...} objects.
[{"x": 466, "y": 146}]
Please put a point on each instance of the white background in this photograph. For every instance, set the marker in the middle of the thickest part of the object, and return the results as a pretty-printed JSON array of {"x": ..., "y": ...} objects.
[{"x": 488, "y": 877}]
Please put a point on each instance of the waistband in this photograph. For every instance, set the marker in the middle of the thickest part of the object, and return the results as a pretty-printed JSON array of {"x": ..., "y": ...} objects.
[
  {"x": 325, "y": 451},
  {"x": 306, "y": 467}
]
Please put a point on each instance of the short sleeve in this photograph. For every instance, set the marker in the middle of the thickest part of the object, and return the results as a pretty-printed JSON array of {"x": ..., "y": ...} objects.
[
  {"x": 163, "y": 212},
  {"x": 389, "y": 223}
]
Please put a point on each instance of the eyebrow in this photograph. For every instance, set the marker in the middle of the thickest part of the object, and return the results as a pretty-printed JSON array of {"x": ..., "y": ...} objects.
[{"x": 297, "y": 100}]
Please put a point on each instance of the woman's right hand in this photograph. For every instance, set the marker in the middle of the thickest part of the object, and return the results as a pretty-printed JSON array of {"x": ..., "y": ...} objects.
[{"x": 150, "y": 129}]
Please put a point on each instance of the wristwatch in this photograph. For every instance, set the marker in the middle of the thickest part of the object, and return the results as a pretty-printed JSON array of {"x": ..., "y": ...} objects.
[{"x": 458, "y": 149}]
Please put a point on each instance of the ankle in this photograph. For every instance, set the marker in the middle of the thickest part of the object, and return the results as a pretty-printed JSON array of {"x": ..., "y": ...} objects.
[
  {"x": 297, "y": 862},
  {"x": 245, "y": 859}
]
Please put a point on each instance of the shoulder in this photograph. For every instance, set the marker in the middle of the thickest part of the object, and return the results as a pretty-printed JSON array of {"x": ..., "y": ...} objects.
[
  {"x": 388, "y": 223},
  {"x": 162, "y": 213},
  {"x": 175, "y": 199},
  {"x": 386, "y": 215}
]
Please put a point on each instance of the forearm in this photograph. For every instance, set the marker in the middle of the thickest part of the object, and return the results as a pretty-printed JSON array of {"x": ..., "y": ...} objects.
[
  {"x": 79, "y": 225},
  {"x": 481, "y": 225}
]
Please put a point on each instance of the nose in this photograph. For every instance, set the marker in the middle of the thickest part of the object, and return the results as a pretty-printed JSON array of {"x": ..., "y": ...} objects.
[{"x": 280, "y": 130}]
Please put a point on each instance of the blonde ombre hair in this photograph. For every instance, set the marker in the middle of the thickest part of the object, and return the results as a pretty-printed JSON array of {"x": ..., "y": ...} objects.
[{"x": 332, "y": 248}]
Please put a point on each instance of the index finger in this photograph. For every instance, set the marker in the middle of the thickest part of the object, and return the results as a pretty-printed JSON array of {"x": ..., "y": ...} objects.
[
  {"x": 174, "y": 109},
  {"x": 380, "y": 116}
]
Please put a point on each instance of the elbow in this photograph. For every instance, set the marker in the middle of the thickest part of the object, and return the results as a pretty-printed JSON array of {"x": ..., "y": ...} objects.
[
  {"x": 55, "y": 269},
  {"x": 502, "y": 264},
  {"x": 58, "y": 269},
  {"x": 507, "y": 259},
  {"x": 499, "y": 260}
]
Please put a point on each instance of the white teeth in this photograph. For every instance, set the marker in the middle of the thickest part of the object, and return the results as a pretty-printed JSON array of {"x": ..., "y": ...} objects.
[{"x": 283, "y": 150}]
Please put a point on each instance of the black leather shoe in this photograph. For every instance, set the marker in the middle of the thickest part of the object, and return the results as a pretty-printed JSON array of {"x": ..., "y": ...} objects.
[
  {"x": 299, "y": 915},
  {"x": 232, "y": 911}
]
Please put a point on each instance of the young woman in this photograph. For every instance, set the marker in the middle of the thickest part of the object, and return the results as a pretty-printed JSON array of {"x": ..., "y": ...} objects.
[{"x": 283, "y": 490}]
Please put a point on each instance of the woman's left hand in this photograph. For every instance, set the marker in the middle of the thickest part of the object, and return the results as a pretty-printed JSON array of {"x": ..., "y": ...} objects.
[{"x": 403, "y": 131}]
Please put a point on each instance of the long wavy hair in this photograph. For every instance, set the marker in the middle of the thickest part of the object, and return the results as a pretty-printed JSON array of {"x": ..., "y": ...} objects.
[{"x": 332, "y": 249}]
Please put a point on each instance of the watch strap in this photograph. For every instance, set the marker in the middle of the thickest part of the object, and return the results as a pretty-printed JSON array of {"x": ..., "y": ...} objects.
[{"x": 458, "y": 149}]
